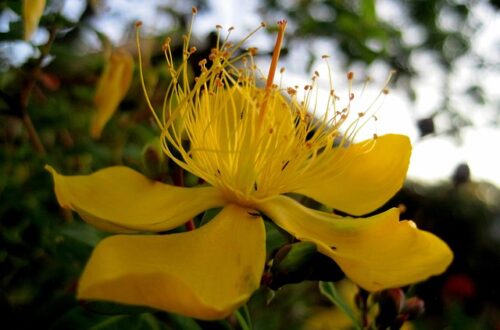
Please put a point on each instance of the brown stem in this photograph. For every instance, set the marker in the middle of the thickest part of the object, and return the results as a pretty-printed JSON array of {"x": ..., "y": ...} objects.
[
  {"x": 26, "y": 95},
  {"x": 33, "y": 135}
]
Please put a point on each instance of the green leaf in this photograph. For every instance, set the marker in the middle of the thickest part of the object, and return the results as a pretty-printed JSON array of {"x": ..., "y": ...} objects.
[
  {"x": 328, "y": 290},
  {"x": 183, "y": 323},
  {"x": 368, "y": 10}
]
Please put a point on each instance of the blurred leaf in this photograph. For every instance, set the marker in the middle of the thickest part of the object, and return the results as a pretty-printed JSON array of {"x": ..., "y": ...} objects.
[
  {"x": 83, "y": 233},
  {"x": 368, "y": 10},
  {"x": 328, "y": 290}
]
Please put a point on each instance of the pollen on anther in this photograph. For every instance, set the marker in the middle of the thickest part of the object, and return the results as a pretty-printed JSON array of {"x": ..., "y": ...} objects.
[
  {"x": 291, "y": 91},
  {"x": 253, "y": 51}
]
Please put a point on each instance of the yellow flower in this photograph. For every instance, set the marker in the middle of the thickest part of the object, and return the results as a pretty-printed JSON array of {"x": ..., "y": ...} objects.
[
  {"x": 32, "y": 12},
  {"x": 251, "y": 145},
  {"x": 112, "y": 88}
]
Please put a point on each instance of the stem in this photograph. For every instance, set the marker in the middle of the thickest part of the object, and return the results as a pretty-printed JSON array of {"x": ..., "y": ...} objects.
[
  {"x": 33, "y": 135},
  {"x": 244, "y": 321},
  {"x": 26, "y": 95},
  {"x": 274, "y": 65},
  {"x": 178, "y": 178}
]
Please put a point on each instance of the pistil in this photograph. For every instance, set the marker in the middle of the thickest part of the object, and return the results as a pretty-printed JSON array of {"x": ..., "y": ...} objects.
[{"x": 272, "y": 68}]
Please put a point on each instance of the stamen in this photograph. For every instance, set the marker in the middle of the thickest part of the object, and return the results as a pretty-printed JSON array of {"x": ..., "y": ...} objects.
[{"x": 138, "y": 25}]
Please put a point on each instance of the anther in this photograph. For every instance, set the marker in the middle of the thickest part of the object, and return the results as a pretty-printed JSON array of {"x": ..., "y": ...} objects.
[
  {"x": 231, "y": 28},
  {"x": 194, "y": 10},
  {"x": 218, "y": 26},
  {"x": 138, "y": 24},
  {"x": 385, "y": 91},
  {"x": 351, "y": 96},
  {"x": 253, "y": 51},
  {"x": 285, "y": 165},
  {"x": 282, "y": 70},
  {"x": 325, "y": 56},
  {"x": 350, "y": 75},
  {"x": 291, "y": 91},
  {"x": 263, "y": 24}
]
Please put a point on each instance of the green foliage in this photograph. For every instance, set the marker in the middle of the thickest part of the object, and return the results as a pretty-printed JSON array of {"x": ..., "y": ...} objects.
[{"x": 362, "y": 36}]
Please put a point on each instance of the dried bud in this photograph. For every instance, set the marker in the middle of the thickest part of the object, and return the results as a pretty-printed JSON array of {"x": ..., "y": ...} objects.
[
  {"x": 414, "y": 307},
  {"x": 391, "y": 303}
]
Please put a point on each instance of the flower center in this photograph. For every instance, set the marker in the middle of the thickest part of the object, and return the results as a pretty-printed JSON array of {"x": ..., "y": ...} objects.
[{"x": 249, "y": 142}]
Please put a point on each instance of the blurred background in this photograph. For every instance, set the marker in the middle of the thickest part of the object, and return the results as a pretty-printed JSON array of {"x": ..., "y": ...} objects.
[{"x": 445, "y": 96}]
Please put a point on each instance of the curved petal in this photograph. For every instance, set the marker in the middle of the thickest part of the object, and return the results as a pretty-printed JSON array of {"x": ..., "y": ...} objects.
[
  {"x": 365, "y": 176},
  {"x": 120, "y": 199},
  {"x": 206, "y": 273},
  {"x": 377, "y": 252}
]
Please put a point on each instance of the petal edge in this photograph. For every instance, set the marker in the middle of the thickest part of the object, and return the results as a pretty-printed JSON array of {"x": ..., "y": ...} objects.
[
  {"x": 206, "y": 273},
  {"x": 120, "y": 199},
  {"x": 378, "y": 252}
]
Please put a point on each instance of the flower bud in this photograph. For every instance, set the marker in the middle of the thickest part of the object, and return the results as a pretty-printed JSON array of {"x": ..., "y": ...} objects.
[
  {"x": 32, "y": 12},
  {"x": 112, "y": 88},
  {"x": 291, "y": 264}
]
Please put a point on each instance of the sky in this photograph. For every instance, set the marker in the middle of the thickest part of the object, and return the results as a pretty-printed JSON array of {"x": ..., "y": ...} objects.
[{"x": 434, "y": 158}]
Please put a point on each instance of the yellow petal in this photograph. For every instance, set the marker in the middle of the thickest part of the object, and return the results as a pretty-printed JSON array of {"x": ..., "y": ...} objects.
[
  {"x": 206, "y": 273},
  {"x": 112, "y": 88},
  {"x": 120, "y": 199},
  {"x": 377, "y": 252},
  {"x": 32, "y": 12},
  {"x": 365, "y": 176}
]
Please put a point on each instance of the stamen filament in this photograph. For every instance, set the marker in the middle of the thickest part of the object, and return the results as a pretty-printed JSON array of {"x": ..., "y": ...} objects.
[{"x": 141, "y": 74}]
